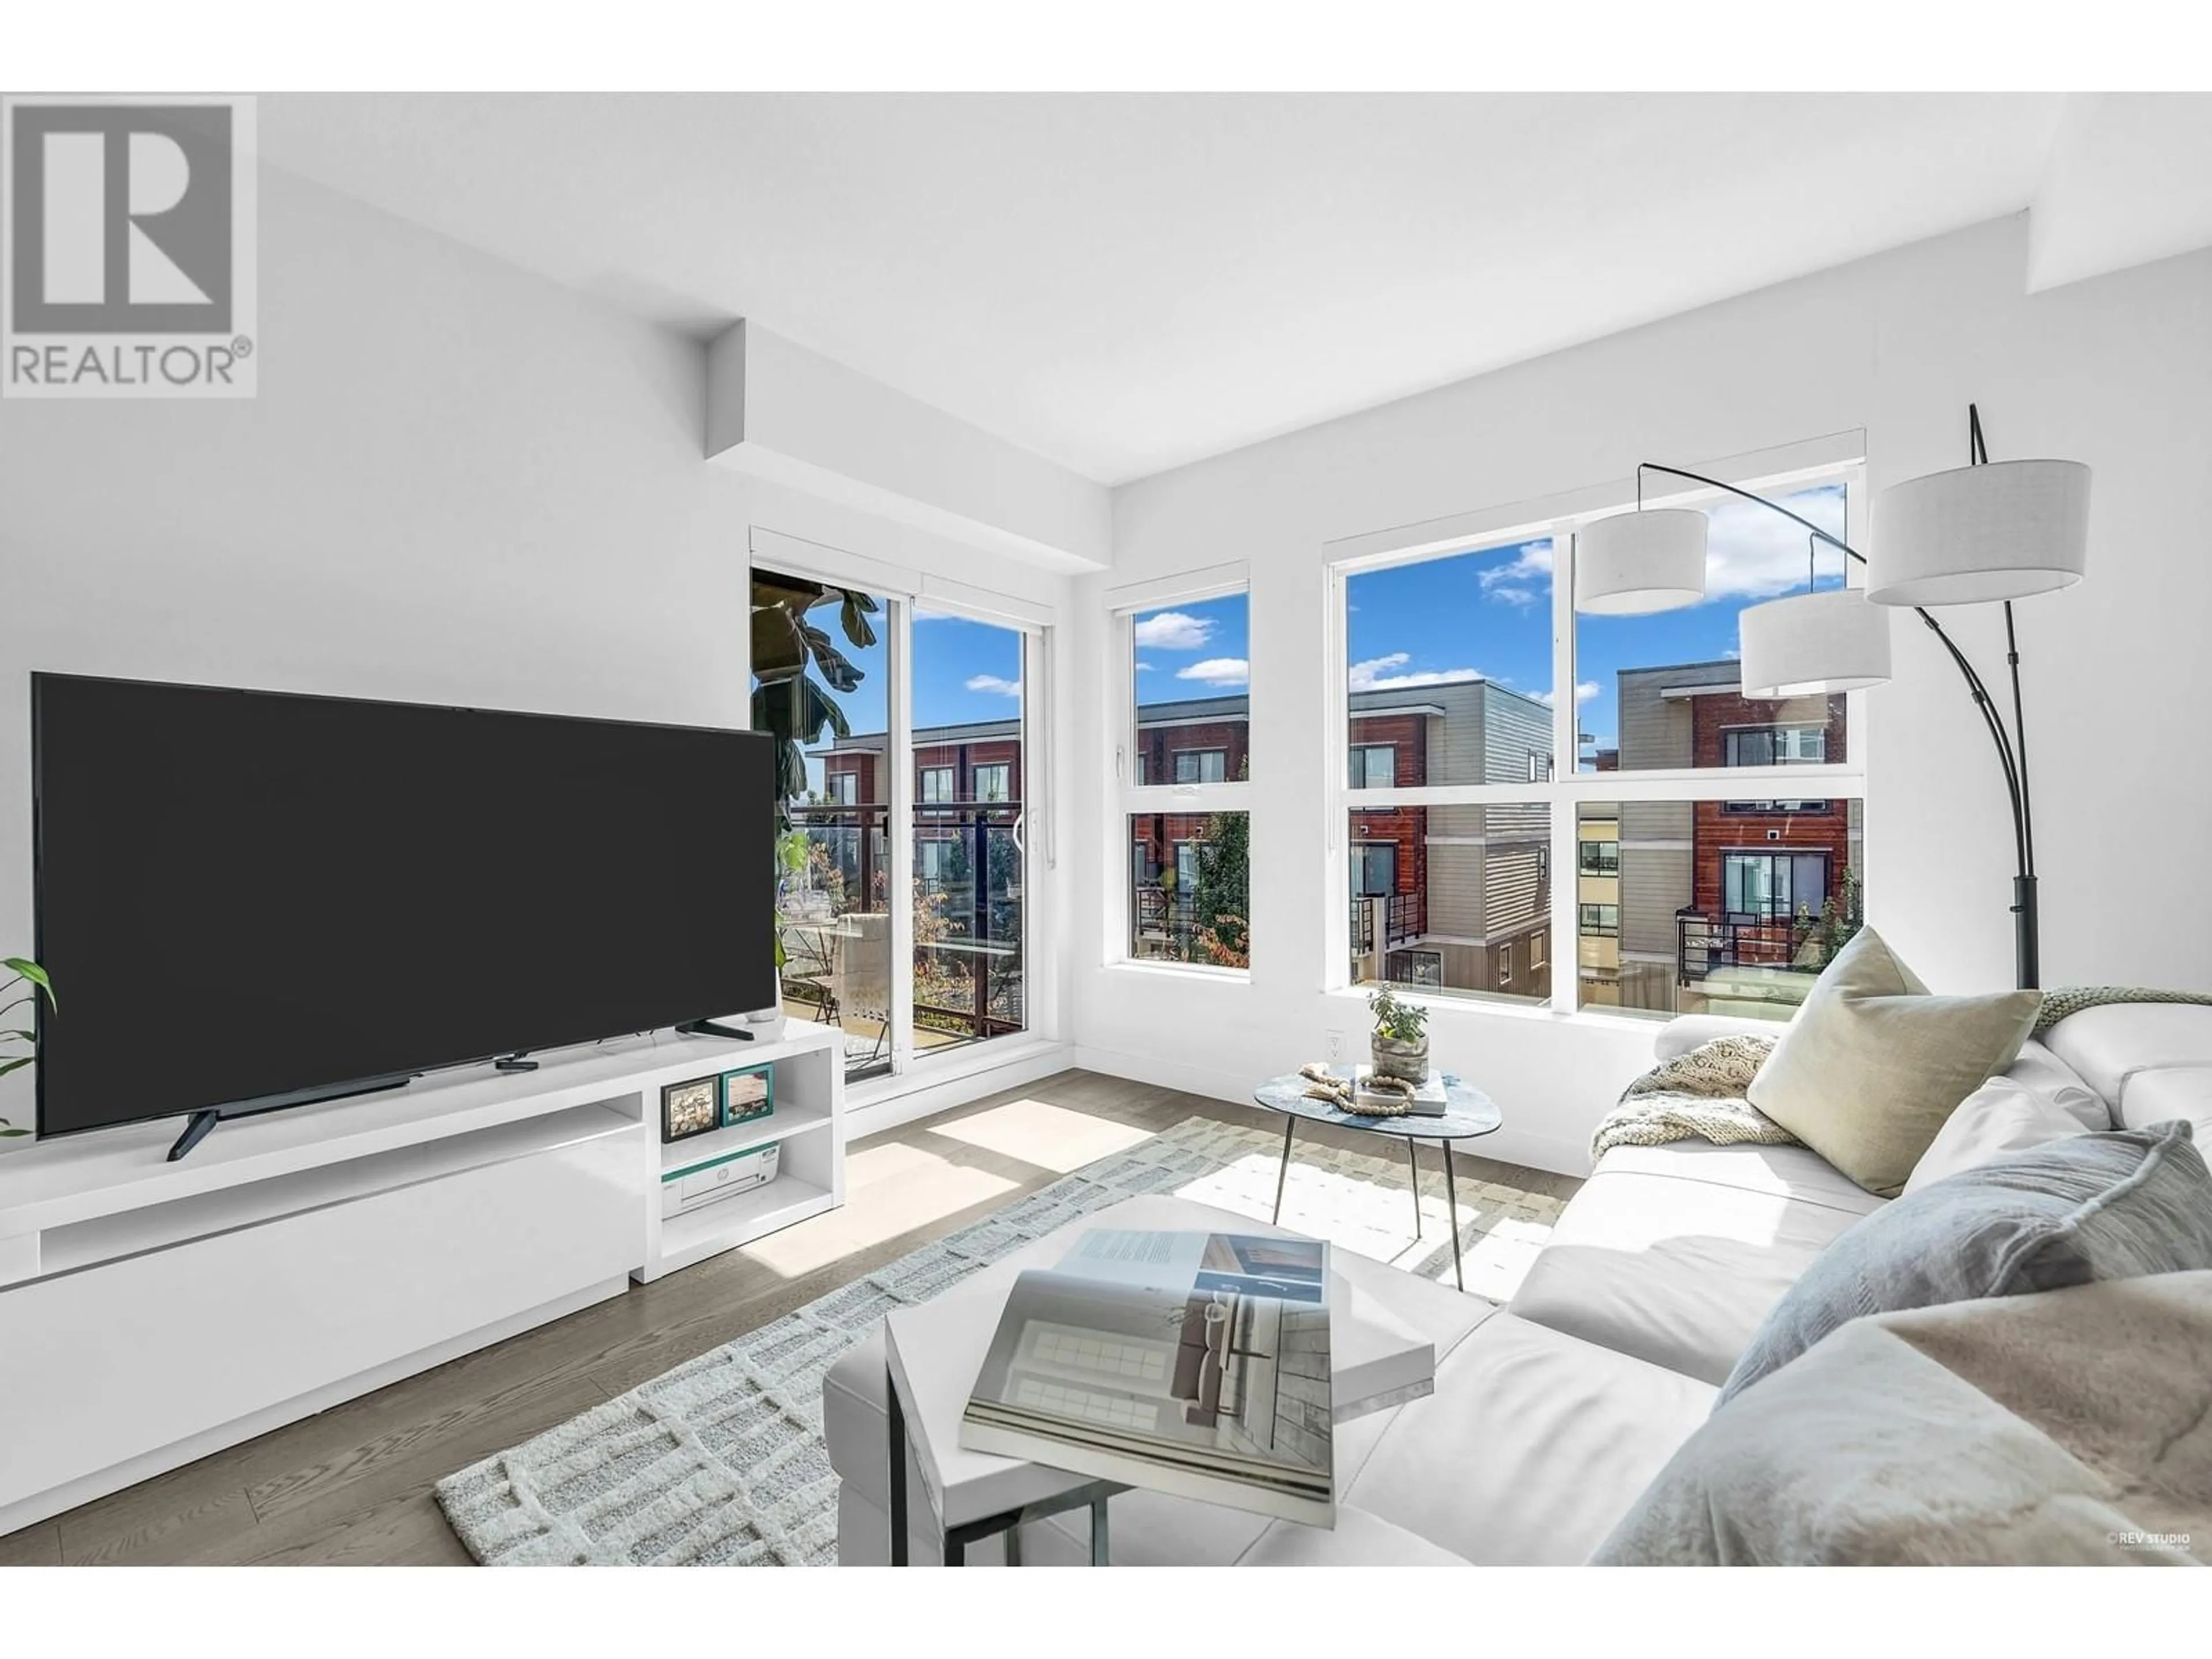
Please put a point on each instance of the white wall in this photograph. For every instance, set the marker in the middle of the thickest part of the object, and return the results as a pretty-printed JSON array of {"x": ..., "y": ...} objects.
[
  {"x": 2116, "y": 372},
  {"x": 458, "y": 484}
]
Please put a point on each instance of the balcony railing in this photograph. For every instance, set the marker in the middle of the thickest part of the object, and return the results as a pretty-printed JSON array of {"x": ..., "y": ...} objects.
[{"x": 1402, "y": 921}]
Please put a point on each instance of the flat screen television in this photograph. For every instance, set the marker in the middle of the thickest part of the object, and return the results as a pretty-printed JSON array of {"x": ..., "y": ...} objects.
[{"x": 248, "y": 899}]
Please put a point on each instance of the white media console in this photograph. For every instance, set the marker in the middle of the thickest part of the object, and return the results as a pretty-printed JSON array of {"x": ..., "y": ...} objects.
[{"x": 151, "y": 1312}]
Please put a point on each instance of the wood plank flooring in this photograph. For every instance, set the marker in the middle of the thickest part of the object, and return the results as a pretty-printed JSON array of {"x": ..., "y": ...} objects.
[{"x": 352, "y": 1486}]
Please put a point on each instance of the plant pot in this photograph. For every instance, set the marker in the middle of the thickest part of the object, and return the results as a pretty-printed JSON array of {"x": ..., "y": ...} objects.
[{"x": 1408, "y": 1060}]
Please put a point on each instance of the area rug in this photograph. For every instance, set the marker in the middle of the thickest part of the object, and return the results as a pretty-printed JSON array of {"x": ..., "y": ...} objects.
[{"x": 720, "y": 1461}]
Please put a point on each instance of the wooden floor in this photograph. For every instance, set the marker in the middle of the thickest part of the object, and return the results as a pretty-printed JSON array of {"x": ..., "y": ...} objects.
[{"x": 353, "y": 1485}]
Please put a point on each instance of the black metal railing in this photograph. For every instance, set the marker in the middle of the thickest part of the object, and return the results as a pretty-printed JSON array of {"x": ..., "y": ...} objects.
[
  {"x": 969, "y": 981},
  {"x": 1707, "y": 944},
  {"x": 1402, "y": 921}
]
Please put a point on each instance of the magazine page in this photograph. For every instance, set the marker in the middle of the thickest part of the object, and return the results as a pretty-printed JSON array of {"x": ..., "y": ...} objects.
[{"x": 1194, "y": 1362}]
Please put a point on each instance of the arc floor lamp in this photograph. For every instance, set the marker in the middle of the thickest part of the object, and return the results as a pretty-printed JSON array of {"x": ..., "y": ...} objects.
[{"x": 1985, "y": 532}]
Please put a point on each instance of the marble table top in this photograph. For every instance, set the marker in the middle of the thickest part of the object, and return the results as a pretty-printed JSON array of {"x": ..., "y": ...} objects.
[{"x": 1467, "y": 1111}]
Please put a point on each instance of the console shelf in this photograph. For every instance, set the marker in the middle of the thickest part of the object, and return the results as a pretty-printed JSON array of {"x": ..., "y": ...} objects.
[{"x": 151, "y": 1312}]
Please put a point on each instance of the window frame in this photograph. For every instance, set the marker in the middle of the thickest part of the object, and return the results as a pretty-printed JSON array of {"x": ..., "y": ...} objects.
[
  {"x": 1771, "y": 473},
  {"x": 1002, "y": 768},
  {"x": 1363, "y": 772},
  {"x": 1131, "y": 795}
]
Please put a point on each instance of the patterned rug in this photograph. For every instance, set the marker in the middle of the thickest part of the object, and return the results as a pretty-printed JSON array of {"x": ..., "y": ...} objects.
[{"x": 720, "y": 1461}]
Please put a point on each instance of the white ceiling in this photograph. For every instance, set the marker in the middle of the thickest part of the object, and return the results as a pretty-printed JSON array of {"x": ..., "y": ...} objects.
[{"x": 1124, "y": 284}]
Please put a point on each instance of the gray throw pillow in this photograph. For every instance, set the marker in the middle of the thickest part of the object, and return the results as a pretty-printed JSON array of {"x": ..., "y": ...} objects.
[{"x": 2118, "y": 1205}]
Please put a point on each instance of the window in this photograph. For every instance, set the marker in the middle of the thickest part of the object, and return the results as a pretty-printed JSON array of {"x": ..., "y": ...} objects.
[
  {"x": 1453, "y": 643},
  {"x": 994, "y": 783},
  {"x": 1661, "y": 690},
  {"x": 1374, "y": 765},
  {"x": 1189, "y": 889},
  {"x": 1775, "y": 745},
  {"x": 1183, "y": 763},
  {"x": 1447, "y": 667},
  {"x": 1190, "y": 675},
  {"x": 1375, "y": 867},
  {"x": 1201, "y": 766},
  {"x": 939, "y": 966}
]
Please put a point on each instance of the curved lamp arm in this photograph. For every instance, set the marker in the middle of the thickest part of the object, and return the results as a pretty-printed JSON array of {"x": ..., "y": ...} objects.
[{"x": 2012, "y": 753}]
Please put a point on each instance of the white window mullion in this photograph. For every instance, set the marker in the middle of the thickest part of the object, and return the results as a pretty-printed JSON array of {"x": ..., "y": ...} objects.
[
  {"x": 899, "y": 802},
  {"x": 1566, "y": 725}
]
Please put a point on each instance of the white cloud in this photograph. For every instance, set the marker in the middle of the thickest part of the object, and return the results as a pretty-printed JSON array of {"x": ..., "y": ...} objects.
[
  {"x": 1172, "y": 631},
  {"x": 1583, "y": 693},
  {"x": 1144, "y": 668},
  {"x": 1522, "y": 596},
  {"x": 1534, "y": 562},
  {"x": 1217, "y": 671},
  {"x": 1375, "y": 674},
  {"x": 1754, "y": 554},
  {"x": 993, "y": 683}
]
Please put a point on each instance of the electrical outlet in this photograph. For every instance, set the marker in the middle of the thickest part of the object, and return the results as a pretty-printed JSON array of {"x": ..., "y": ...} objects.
[{"x": 1337, "y": 1043}]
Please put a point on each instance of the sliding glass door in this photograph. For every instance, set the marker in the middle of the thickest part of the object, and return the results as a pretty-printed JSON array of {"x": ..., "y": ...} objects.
[
  {"x": 969, "y": 755},
  {"x": 902, "y": 913}
]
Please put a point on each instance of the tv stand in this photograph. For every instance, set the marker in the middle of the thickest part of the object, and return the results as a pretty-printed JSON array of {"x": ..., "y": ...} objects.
[
  {"x": 201, "y": 1123},
  {"x": 513, "y": 1063},
  {"x": 153, "y": 1312},
  {"x": 196, "y": 1131},
  {"x": 712, "y": 1028}
]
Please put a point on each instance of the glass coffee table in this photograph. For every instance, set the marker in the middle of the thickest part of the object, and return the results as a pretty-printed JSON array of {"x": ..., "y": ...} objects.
[{"x": 1468, "y": 1113}]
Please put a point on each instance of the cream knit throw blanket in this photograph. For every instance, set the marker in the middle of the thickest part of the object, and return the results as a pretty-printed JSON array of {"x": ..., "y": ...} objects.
[
  {"x": 1696, "y": 1096},
  {"x": 2073, "y": 998}
]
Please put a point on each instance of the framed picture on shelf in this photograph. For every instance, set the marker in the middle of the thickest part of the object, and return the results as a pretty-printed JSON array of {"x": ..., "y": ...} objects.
[
  {"x": 748, "y": 1092},
  {"x": 690, "y": 1108}
]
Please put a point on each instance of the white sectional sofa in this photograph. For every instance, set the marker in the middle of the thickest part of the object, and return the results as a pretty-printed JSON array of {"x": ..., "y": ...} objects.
[{"x": 1550, "y": 1416}]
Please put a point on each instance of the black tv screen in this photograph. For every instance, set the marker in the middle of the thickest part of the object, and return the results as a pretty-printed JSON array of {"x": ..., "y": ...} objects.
[{"x": 244, "y": 896}]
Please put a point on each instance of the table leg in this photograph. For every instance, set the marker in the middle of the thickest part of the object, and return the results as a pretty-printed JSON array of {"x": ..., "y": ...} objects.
[
  {"x": 1290, "y": 1123},
  {"x": 1413, "y": 1169},
  {"x": 1098, "y": 1543},
  {"x": 1451, "y": 1211},
  {"x": 897, "y": 1417}
]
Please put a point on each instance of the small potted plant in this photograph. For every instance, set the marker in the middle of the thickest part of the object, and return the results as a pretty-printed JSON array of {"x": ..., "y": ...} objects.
[{"x": 1401, "y": 1044}]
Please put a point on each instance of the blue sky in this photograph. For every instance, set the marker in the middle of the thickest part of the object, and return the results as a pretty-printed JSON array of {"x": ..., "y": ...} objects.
[
  {"x": 1484, "y": 615},
  {"x": 1488, "y": 615}
]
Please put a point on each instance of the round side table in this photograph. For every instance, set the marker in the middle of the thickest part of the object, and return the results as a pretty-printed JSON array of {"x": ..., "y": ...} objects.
[{"x": 1468, "y": 1113}]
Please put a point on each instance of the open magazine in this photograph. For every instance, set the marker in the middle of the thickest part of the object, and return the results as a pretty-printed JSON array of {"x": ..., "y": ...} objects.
[{"x": 1191, "y": 1363}]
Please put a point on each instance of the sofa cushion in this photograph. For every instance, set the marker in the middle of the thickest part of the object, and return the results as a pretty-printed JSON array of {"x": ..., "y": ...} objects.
[
  {"x": 1533, "y": 1444},
  {"x": 2041, "y": 1072},
  {"x": 1997, "y": 1120},
  {"x": 2118, "y": 1205},
  {"x": 2064, "y": 1428},
  {"x": 2110, "y": 1045},
  {"x": 1873, "y": 1064},
  {"x": 2160, "y": 1097},
  {"x": 1673, "y": 1254}
]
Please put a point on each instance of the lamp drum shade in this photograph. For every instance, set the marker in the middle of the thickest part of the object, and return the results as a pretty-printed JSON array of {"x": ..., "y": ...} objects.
[
  {"x": 1635, "y": 563},
  {"x": 1811, "y": 644},
  {"x": 2000, "y": 531}
]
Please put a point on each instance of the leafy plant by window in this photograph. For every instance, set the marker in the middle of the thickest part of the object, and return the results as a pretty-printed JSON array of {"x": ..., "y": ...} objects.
[
  {"x": 25, "y": 972},
  {"x": 789, "y": 650}
]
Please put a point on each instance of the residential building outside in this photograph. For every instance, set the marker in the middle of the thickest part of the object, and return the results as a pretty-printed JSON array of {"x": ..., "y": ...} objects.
[{"x": 1721, "y": 906}]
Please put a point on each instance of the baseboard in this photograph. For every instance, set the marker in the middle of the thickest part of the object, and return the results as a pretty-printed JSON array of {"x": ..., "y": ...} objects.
[
  {"x": 1508, "y": 1145},
  {"x": 926, "y": 1094},
  {"x": 57, "y": 1500}
]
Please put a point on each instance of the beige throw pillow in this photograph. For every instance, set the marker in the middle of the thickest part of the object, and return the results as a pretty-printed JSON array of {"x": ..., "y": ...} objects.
[{"x": 1873, "y": 1065}]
